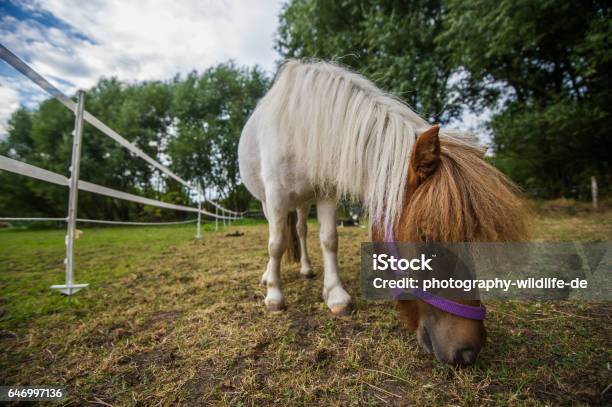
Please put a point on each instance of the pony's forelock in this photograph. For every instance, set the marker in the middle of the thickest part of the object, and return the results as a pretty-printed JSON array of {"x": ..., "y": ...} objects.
[{"x": 465, "y": 200}]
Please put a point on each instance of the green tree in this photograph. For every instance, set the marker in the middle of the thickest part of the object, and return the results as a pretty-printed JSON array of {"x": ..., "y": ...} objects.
[
  {"x": 192, "y": 124},
  {"x": 391, "y": 42},
  {"x": 543, "y": 68},
  {"x": 16, "y": 194},
  {"x": 209, "y": 112},
  {"x": 43, "y": 137}
]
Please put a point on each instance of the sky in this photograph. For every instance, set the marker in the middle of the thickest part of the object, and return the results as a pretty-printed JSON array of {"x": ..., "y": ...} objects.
[{"x": 72, "y": 43}]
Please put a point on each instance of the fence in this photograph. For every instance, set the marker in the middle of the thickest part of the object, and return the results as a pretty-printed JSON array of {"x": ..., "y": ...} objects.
[
  {"x": 74, "y": 184},
  {"x": 590, "y": 191}
]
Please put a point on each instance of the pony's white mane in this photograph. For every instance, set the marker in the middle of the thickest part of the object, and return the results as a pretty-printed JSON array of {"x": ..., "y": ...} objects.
[{"x": 354, "y": 139}]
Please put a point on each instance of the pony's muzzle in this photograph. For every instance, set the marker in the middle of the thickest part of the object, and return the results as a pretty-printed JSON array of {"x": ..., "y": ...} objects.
[
  {"x": 465, "y": 357},
  {"x": 448, "y": 348}
]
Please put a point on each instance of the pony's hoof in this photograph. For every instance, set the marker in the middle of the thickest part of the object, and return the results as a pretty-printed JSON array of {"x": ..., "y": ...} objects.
[
  {"x": 338, "y": 301},
  {"x": 307, "y": 274},
  {"x": 341, "y": 310},
  {"x": 275, "y": 306}
]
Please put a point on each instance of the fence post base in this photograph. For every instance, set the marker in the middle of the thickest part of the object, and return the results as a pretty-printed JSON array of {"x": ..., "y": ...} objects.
[{"x": 68, "y": 289}]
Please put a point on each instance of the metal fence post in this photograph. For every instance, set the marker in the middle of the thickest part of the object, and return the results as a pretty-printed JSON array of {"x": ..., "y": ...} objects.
[
  {"x": 216, "y": 219},
  {"x": 594, "y": 191},
  {"x": 70, "y": 288},
  {"x": 198, "y": 234}
]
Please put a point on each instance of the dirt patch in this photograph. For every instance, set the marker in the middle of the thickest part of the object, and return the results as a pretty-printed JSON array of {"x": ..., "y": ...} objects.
[{"x": 199, "y": 389}]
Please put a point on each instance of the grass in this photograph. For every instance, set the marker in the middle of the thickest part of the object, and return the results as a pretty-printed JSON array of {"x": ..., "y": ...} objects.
[{"x": 169, "y": 320}]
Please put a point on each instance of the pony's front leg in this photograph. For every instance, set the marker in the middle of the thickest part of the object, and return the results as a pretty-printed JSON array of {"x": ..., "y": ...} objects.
[
  {"x": 336, "y": 298},
  {"x": 277, "y": 243}
]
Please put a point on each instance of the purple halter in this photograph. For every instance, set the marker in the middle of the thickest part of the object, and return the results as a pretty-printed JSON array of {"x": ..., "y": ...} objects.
[{"x": 446, "y": 305}]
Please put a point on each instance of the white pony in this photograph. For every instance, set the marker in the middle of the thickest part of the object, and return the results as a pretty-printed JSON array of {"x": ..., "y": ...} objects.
[{"x": 321, "y": 133}]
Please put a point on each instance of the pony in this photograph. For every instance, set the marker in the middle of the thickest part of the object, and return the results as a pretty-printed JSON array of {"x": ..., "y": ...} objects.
[{"x": 322, "y": 133}]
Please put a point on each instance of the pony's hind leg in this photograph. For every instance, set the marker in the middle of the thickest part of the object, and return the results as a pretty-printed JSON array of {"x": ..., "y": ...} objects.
[
  {"x": 277, "y": 243},
  {"x": 336, "y": 298},
  {"x": 302, "y": 232},
  {"x": 265, "y": 273}
]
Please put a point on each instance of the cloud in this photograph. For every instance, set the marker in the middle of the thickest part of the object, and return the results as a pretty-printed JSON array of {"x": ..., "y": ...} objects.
[
  {"x": 73, "y": 43},
  {"x": 9, "y": 97},
  {"x": 16, "y": 91}
]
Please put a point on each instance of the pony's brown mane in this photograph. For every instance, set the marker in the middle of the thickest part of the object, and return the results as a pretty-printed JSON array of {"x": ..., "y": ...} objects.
[{"x": 465, "y": 199}]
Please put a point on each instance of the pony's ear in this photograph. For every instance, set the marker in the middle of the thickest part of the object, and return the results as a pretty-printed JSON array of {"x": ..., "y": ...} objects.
[{"x": 426, "y": 153}]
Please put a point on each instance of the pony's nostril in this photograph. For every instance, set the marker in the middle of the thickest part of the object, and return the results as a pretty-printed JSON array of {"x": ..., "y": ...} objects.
[
  {"x": 425, "y": 340},
  {"x": 465, "y": 356}
]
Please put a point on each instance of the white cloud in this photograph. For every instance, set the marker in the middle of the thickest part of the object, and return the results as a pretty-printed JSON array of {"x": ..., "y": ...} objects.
[
  {"x": 9, "y": 97},
  {"x": 136, "y": 40},
  {"x": 16, "y": 91}
]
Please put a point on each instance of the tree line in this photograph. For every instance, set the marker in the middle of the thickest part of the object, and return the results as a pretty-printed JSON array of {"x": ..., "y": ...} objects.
[
  {"x": 190, "y": 123},
  {"x": 539, "y": 69}
]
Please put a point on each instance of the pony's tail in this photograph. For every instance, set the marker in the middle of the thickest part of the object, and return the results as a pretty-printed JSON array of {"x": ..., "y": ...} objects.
[{"x": 293, "y": 246}]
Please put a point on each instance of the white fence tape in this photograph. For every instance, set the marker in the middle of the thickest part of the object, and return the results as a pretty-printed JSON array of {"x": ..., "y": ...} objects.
[
  {"x": 18, "y": 167},
  {"x": 117, "y": 222},
  {"x": 216, "y": 205},
  {"x": 109, "y": 222},
  {"x": 32, "y": 219},
  {"x": 22, "y": 67}
]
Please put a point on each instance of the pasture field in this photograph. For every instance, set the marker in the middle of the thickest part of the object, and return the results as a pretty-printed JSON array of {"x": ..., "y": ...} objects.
[{"x": 168, "y": 320}]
